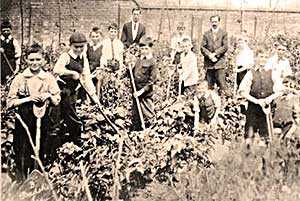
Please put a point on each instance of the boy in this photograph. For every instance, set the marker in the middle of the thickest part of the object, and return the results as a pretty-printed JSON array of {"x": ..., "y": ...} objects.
[
  {"x": 285, "y": 107},
  {"x": 32, "y": 87},
  {"x": 144, "y": 73},
  {"x": 244, "y": 60},
  {"x": 278, "y": 63},
  {"x": 206, "y": 105},
  {"x": 10, "y": 52},
  {"x": 73, "y": 70},
  {"x": 176, "y": 41},
  {"x": 113, "y": 48},
  {"x": 94, "y": 48},
  {"x": 260, "y": 88},
  {"x": 189, "y": 75}
]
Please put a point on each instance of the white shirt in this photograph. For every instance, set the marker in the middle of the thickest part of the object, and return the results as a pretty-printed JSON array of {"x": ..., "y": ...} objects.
[
  {"x": 245, "y": 58},
  {"x": 189, "y": 68},
  {"x": 85, "y": 76},
  {"x": 135, "y": 31},
  {"x": 107, "y": 51},
  {"x": 280, "y": 68}
]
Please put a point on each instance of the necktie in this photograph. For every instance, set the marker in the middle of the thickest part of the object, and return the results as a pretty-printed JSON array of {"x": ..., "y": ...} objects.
[
  {"x": 134, "y": 27},
  {"x": 112, "y": 49}
]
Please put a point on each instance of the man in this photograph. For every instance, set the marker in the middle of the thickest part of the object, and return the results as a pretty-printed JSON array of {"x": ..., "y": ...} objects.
[
  {"x": 10, "y": 52},
  {"x": 29, "y": 91},
  {"x": 133, "y": 31},
  {"x": 73, "y": 69},
  {"x": 278, "y": 63},
  {"x": 113, "y": 48},
  {"x": 176, "y": 43},
  {"x": 214, "y": 46}
]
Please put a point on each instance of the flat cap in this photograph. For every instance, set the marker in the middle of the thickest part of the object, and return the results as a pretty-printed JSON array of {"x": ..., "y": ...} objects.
[
  {"x": 77, "y": 37},
  {"x": 5, "y": 24},
  {"x": 146, "y": 41}
]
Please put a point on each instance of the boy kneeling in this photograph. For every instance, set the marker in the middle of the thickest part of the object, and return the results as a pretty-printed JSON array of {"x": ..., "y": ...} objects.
[{"x": 206, "y": 105}]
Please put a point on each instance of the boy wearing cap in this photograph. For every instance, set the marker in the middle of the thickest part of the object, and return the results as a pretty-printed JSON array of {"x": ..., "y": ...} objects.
[
  {"x": 10, "y": 52},
  {"x": 29, "y": 91},
  {"x": 189, "y": 75},
  {"x": 260, "y": 88},
  {"x": 176, "y": 43},
  {"x": 73, "y": 70},
  {"x": 145, "y": 74}
]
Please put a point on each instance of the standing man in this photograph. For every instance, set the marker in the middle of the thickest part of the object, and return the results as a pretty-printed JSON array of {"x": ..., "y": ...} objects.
[
  {"x": 214, "y": 46},
  {"x": 133, "y": 31},
  {"x": 10, "y": 52}
]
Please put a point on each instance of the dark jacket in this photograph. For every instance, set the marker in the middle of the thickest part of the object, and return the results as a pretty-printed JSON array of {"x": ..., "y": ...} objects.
[
  {"x": 126, "y": 36},
  {"x": 218, "y": 46}
]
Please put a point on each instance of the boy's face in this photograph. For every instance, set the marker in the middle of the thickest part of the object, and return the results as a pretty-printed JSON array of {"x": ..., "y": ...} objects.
[
  {"x": 186, "y": 46},
  {"x": 202, "y": 88},
  {"x": 95, "y": 37},
  {"x": 113, "y": 33},
  {"x": 77, "y": 48},
  {"x": 261, "y": 59},
  {"x": 281, "y": 51},
  {"x": 6, "y": 32},
  {"x": 145, "y": 50},
  {"x": 35, "y": 61},
  {"x": 180, "y": 29}
]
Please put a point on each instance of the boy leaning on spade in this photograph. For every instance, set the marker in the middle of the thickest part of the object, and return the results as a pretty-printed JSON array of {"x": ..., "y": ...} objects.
[
  {"x": 31, "y": 92},
  {"x": 259, "y": 87}
]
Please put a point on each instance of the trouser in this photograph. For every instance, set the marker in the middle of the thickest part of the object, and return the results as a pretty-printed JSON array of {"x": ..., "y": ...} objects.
[
  {"x": 216, "y": 76},
  {"x": 256, "y": 121},
  {"x": 147, "y": 108},
  {"x": 5, "y": 69}
]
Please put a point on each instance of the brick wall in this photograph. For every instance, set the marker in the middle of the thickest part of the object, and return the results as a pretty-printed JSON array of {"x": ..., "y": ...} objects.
[{"x": 46, "y": 20}]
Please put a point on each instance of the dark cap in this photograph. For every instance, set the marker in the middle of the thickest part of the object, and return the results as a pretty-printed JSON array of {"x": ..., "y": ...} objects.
[
  {"x": 77, "y": 37},
  {"x": 113, "y": 26},
  {"x": 146, "y": 41},
  {"x": 5, "y": 24}
]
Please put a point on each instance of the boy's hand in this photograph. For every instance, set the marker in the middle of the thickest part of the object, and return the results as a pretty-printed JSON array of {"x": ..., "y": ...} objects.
[
  {"x": 138, "y": 93},
  {"x": 1, "y": 50},
  {"x": 75, "y": 75},
  {"x": 261, "y": 102},
  {"x": 44, "y": 96}
]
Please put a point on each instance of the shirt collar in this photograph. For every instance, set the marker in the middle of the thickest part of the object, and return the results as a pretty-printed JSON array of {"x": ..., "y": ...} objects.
[
  {"x": 42, "y": 74},
  {"x": 96, "y": 45},
  {"x": 73, "y": 55},
  {"x": 149, "y": 56},
  {"x": 3, "y": 38},
  {"x": 137, "y": 23},
  {"x": 215, "y": 30}
]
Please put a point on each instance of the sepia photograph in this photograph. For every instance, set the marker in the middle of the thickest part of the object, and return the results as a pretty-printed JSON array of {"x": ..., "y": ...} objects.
[{"x": 150, "y": 100}]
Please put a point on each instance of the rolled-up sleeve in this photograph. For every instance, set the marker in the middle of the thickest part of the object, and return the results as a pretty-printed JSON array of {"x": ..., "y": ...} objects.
[
  {"x": 54, "y": 90},
  {"x": 13, "y": 91},
  {"x": 216, "y": 98},
  {"x": 86, "y": 79},
  {"x": 60, "y": 66},
  {"x": 246, "y": 83},
  {"x": 17, "y": 48}
]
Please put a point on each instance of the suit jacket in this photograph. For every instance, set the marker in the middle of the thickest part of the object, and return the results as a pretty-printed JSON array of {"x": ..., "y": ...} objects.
[
  {"x": 218, "y": 46},
  {"x": 126, "y": 36}
]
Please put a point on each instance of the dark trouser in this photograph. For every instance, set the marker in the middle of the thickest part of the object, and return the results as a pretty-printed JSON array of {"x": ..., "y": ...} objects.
[
  {"x": 256, "y": 121},
  {"x": 216, "y": 76},
  {"x": 21, "y": 144},
  {"x": 240, "y": 76},
  {"x": 147, "y": 111},
  {"x": 5, "y": 69},
  {"x": 177, "y": 58}
]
